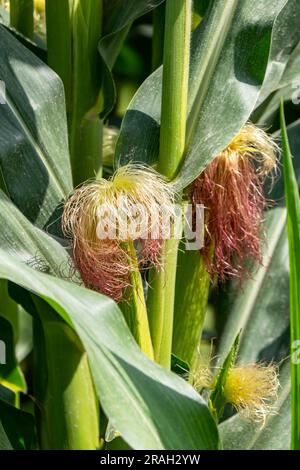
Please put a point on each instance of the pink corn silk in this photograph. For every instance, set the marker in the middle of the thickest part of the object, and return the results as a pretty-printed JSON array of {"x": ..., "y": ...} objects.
[
  {"x": 232, "y": 194},
  {"x": 151, "y": 250},
  {"x": 104, "y": 267}
]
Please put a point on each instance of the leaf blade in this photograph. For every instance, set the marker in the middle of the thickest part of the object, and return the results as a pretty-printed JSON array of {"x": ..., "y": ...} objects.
[{"x": 293, "y": 228}]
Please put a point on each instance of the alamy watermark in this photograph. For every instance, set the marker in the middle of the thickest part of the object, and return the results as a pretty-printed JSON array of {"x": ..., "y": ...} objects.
[{"x": 128, "y": 221}]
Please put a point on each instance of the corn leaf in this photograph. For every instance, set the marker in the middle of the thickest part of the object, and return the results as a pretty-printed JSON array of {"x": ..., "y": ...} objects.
[
  {"x": 34, "y": 158},
  {"x": 285, "y": 39},
  {"x": 11, "y": 375},
  {"x": 261, "y": 311},
  {"x": 118, "y": 17},
  {"x": 231, "y": 46},
  {"x": 151, "y": 407},
  {"x": 217, "y": 399},
  {"x": 293, "y": 227},
  {"x": 17, "y": 429}
]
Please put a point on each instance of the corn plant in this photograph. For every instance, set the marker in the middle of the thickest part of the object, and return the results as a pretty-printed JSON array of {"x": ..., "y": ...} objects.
[{"x": 146, "y": 297}]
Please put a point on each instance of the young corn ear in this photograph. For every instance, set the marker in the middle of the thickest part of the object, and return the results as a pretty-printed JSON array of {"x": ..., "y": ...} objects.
[
  {"x": 231, "y": 189},
  {"x": 252, "y": 390},
  {"x": 102, "y": 216}
]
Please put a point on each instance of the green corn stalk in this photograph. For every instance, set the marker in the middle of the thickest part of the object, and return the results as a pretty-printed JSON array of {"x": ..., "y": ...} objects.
[
  {"x": 21, "y": 16},
  {"x": 158, "y": 35},
  {"x": 172, "y": 142},
  {"x": 134, "y": 306},
  {"x": 73, "y": 32},
  {"x": 66, "y": 405},
  {"x": 192, "y": 288}
]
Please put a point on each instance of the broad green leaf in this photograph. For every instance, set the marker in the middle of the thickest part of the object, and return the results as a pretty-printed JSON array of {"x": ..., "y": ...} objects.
[
  {"x": 285, "y": 38},
  {"x": 150, "y": 407},
  {"x": 231, "y": 46},
  {"x": 32, "y": 245},
  {"x": 277, "y": 189},
  {"x": 4, "y": 441},
  {"x": 20, "y": 321},
  {"x": 261, "y": 310},
  {"x": 293, "y": 228},
  {"x": 291, "y": 72},
  {"x": 34, "y": 158},
  {"x": 37, "y": 46},
  {"x": 266, "y": 115},
  {"x": 288, "y": 89},
  {"x": 118, "y": 13},
  {"x": 11, "y": 375},
  {"x": 17, "y": 429},
  {"x": 118, "y": 17},
  {"x": 143, "y": 401}
]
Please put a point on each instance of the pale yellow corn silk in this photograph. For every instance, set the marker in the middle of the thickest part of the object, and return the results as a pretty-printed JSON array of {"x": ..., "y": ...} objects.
[
  {"x": 133, "y": 187},
  {"x": 203, "y": 370},
  {"x": 203, "y": 377},
  {"x": 252, "y": 390},
  {"x": 253, "y": 142}
]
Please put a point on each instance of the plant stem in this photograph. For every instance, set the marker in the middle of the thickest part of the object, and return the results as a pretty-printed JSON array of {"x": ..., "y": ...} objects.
[
  {"x": 59, "y": 43},
  {"x": 134, "y": 306},
  {"x": 67, "y": 408},
  {"x": 192, "y": 288},
  {"x": 85, "y": 125},
  {"x": 21, "y": 16},
  {"x": 159, "y": 14},
  {"x": 172, "y": 142},
  {"x": 161, "y": 304},
  {"x": 175, "y": 85},
  {"x": 73, "y": 32}
]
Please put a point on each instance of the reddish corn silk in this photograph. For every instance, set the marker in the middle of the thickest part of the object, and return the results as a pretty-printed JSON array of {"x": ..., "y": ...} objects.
[
  {"x": 103, "y": 262},
  {"x": 104, "y": 268},
  {"x": 231, "y": 189},
  {"x": 151, "y": 252}
]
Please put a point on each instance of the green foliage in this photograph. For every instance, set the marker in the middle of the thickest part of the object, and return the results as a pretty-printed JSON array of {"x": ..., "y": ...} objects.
[
  {"x": 231, "y": 46},
  {"x": 146, "y": 395},
  {"x": 17, "y": 429},
  {"x": 10, "y": 374},
  {"x": 86, "y": 362},
  {"x": 217, "y": 400},
  {"x": 293, "y": 228},
  {"x": 34, "y": 157},
  {"x": 261, "y": 311}
]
